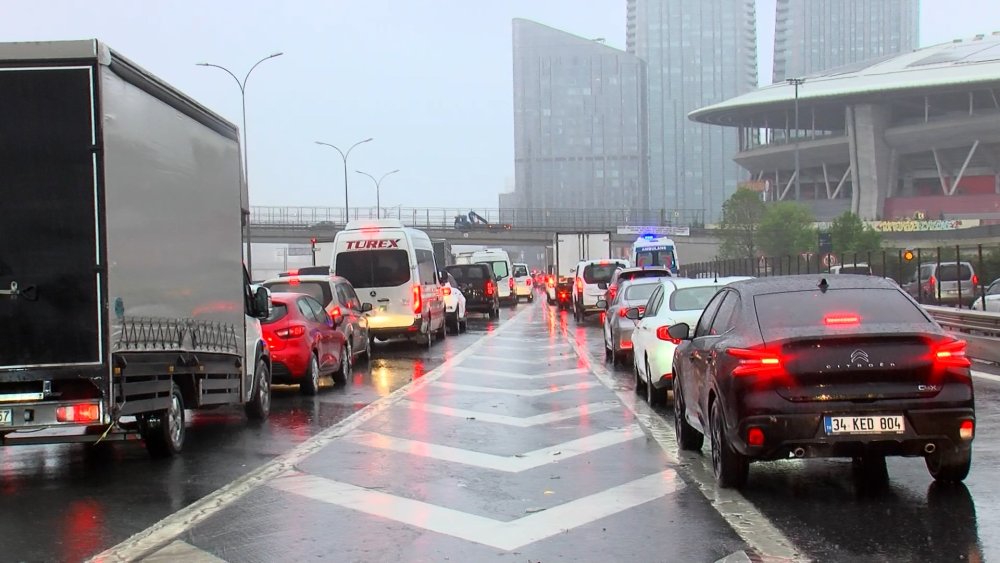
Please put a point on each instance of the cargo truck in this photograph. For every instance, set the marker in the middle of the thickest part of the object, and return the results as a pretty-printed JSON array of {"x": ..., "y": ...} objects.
[
  {"x": 123, "y": 295},
  {"x": 571, "y": 249}
]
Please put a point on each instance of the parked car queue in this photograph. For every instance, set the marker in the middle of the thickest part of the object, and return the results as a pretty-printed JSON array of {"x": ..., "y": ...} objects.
[{"x": 804, "y": 366}]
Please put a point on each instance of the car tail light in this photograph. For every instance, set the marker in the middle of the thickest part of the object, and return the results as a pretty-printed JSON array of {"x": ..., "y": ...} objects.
[
  {"x": 446, "y": 291},
  {"x": 418, "y": 304},
  {"x": 755, "y": 436},
  {"x": 489, "y": 288},
  {"x": 931, "y": 281},
  {"x": 293, "y": 281},
  {"x": 952, "y": 354},
  {"x": 611, "y": 293},
  {"x": 510, "y": 283},
  {"x": 527, "y": 281},
  {"x": 842, "y": 319},
  {"x": 663, "y": 334},
  {"x": 294, "y": 331},
  {"x": 966, "y": 430},
  {"x": 551, "y": 281},
  {"x": 625, "y": 344},
  {"x": 89, "y": 412},
  {"x": 755, "y": 362},
  {"x": 336, "y": 313},
  {"x": 975, "y": 279}
]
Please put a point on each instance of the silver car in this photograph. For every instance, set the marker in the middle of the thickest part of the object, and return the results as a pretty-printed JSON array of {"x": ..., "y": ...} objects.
[{"x": 617, "y": 328}]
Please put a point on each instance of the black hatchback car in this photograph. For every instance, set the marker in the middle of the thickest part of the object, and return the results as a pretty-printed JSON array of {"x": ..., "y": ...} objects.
[
  {"x": 804, "y": 366},
  {"x": 479, "y": 286}
]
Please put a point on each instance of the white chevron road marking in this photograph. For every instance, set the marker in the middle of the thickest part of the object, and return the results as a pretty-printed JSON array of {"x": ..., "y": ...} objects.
[
  {"x": 986, "y": 376},
  {"x": 517, "y": 421},
  {"x": 517, "y": 392},
  {"x": 499, "y": 534},
  {"x": 181, "y": 551},
  {"x": 500, "y": 373},
  {"x": 509, "y": 464}
]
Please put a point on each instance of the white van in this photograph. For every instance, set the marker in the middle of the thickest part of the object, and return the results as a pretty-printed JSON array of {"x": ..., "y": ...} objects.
[
  {"x": 392, "y": 267},
  {"x": 499, "y": 261}
]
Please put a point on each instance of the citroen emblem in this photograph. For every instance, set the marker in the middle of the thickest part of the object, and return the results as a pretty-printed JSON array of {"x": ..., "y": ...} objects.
[{"x": 859, "y": 356}]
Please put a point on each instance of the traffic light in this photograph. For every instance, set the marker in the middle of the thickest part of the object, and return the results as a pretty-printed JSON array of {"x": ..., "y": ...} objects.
[{"x": 908, "y": 255}]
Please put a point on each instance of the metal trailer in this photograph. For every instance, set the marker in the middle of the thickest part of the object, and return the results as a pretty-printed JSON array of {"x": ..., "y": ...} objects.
[{"x": 123, "y": 296}]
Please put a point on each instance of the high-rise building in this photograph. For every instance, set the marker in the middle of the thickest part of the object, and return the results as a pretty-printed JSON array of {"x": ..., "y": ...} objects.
[
  {"x": 816, "y": 35},
  {"x": 697, "y": 53},
  {"x": 579, "y": 122}
]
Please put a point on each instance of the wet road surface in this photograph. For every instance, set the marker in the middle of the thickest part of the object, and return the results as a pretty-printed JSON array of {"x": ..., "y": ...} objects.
[{"x": 521, "y": 444}]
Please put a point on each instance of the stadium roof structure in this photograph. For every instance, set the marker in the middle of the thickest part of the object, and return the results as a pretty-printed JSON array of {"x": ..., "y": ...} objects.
[{"x": 960, "y": 64}]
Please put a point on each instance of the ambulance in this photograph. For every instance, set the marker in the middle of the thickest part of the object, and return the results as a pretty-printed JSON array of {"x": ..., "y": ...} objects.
[
  {"x": 650, "y": 250},
  {"x": 393, "y": 268}
]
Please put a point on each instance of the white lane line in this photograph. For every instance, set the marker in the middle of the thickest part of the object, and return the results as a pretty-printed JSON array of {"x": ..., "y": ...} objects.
[
  {"x": 986, "y": 376},
  {"x": 499, "y": 534},
  {"x": 161, "y": 533},
  {"x": 518, "y": 392},
  {"x": 741, "y": 514},
  {"x": 573, "y": 371},
  {"x": 182, "y": 551},
  {"x": 516, "y": 421},
  {"x": 738, "y": 557},
  {"x": 510, "y": 464}
]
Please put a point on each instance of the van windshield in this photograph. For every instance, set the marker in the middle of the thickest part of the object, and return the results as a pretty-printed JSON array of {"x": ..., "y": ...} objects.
[
  {"x": 374, "y": 268},
  {"x": 663, "y": 258},
  {"x": 499, "y": 268}
]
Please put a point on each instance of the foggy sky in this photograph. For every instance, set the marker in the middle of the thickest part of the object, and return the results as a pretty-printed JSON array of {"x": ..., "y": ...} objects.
[{"x": 430, "y": 80}]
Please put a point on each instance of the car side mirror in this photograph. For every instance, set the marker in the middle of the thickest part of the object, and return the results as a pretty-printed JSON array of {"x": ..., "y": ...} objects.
[
  {"x": 633, "y": 313},
  {"x": 262, "y": 303},
  {"x": 679, "y": 331},
  {"x": 365, "y": 307},
  {"x": 602, "y": 304}
]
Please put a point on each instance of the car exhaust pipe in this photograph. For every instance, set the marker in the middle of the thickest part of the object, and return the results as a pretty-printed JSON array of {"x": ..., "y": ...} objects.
[
  {"x": 799, "y": 452},
  {"x": 930, "y": 448}
]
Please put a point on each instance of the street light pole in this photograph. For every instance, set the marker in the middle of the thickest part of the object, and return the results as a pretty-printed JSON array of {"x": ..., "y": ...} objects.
[
  {"x": 378, "y": 186},
  {"x": 243, "y": 132},
  {"x": 344, "y": 155},
  {"x": 796, "y": 82}
]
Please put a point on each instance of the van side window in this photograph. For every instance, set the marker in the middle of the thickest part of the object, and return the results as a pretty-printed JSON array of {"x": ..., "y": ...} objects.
[{"x": 425, "y": 266}]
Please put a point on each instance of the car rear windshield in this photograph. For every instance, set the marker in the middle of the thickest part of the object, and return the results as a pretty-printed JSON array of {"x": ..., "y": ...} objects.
[
  {"x": 599, "y": 273},
  {"x": 278, "y": 312},
  {"x": 813, "y": 309},
  {"x": 468, "y": 274},
  {"x": 638, "y": 292},
  {"x": 318, "y": 290},
  {"x": 374, "y": 268},
  {"x": 953, "y": 272},
  {"x": 520, "y": 271},
  {"x": 691, "y": 298},
  {"x": 639, "y": 274}
]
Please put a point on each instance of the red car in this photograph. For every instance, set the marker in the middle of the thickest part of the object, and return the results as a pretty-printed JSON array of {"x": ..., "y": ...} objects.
[{"x": 304, "y": 341}]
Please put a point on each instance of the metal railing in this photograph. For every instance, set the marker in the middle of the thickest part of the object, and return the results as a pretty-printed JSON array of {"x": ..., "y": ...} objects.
[
  {"x": 981, "y": 329},
  {"x": 445, "y": 218}
]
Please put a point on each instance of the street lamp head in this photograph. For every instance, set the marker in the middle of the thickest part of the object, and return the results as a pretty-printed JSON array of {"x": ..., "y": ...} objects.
[
  {"x": 368, "y": 139},
  {"x": 202, "y": 64},
  {"x": 278, "y": 54}
]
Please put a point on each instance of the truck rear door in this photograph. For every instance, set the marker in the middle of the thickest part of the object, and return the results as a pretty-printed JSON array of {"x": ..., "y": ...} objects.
[{"x": 50, "y": 305}]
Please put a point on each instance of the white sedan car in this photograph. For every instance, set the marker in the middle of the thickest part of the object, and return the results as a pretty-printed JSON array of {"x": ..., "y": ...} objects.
[
  {"x": 676, "y": 300},
  {"x": 992, "y": 299},
  {"x": 454, "y": 304}
]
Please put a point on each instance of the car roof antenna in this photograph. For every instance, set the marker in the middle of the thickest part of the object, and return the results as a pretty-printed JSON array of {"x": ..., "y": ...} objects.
[{"x": 823, "y": 285}]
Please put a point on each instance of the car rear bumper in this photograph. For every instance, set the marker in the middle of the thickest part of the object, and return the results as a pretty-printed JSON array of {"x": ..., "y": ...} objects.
[
  {"x": 479, "y": 305},
  {"x": 384, "y": 331},
  {"x": 804, "y": 435}
]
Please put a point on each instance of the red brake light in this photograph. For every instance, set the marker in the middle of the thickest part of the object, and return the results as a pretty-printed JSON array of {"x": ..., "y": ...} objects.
[
  {"x": 612, "y": 291},
  {"x": 293, "y": 273},
  {"x": 952, "y": 354},
  {"x": 527, "y": 281},
  {"x": 931, "y": 280},
  {"x": 293, "y": 281},
  {"x": 551, "y": 281},
  {"x": 663, "y": 334},
  {"x": 975, "y": 279},
  {"x": 446, "y": 291},
  {"x": 510, "y": 282},
  {"x": 755, "y": 362},
  {"x": 294, "y": 331},
  {"x": 418, "y": 305},
  {"x": 336, "y": 313},
  {"x": 90, "y": 412},
  {"x": 579, "y": 285},
  {"x": 489, "y": 287},
  {"x": 966, "y": 429},
  {"x": 842, "y": 319},
  {"x": 755, "y": 436}
]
